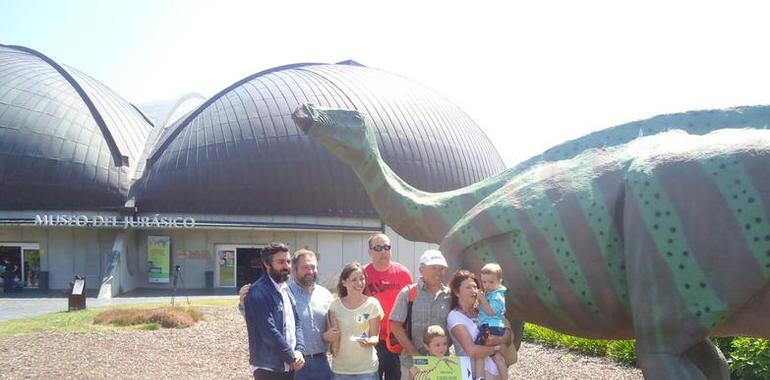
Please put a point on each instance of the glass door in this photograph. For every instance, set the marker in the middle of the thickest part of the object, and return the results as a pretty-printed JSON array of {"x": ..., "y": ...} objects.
[
  {"x": 225, "y": 266},
  {"x": 20, "y": 265},
  {"x": 11, "y": 270},
  {"x": 31, "y": 267},
  {"x": 237, "y": 264}
]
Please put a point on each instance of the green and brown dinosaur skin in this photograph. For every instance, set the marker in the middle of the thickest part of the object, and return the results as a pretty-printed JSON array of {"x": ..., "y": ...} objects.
[{"x": 631, "y": 232}]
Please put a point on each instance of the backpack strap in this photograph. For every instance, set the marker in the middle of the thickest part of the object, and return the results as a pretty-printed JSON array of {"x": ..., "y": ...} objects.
[{"x": 408, "y": 320}]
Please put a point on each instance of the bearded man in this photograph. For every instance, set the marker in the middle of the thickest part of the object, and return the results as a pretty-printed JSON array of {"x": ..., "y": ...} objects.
[
  {"x": 276, "y": 343},
  {"x": 313, "y": 302}
]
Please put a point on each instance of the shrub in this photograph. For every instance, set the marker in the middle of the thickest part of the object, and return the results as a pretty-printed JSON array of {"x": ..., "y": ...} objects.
[
  {"x": 554, "y": 339},
  {"x": 167, "y": 317},
  {"x": 623, "y": 351},
  {"x": 724, "y": 343},
  {"x": 750, "y": 358}
]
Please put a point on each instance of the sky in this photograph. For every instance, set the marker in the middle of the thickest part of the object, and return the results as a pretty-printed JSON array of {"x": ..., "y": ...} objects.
[{"x": 531, "y": 74}]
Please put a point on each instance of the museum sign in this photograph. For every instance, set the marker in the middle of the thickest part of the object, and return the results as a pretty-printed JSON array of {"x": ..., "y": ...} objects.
[{"x": 156, "y": 221}]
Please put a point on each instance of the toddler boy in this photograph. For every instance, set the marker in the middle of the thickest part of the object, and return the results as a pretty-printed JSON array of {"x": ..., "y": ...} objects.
[{"x": 492, "y": 312}]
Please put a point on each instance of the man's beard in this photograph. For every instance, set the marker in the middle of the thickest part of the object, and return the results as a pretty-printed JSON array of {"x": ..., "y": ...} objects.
[
  {"x": 278, "y": 276},
  {"x": 307, "y": 280}
]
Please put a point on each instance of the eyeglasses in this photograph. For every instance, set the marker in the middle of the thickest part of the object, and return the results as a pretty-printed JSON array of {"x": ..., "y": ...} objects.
[{"x": 380, "y": 248}]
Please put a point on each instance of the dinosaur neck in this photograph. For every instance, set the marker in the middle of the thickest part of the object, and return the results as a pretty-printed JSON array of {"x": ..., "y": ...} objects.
[{"x": 414, "y": 214}]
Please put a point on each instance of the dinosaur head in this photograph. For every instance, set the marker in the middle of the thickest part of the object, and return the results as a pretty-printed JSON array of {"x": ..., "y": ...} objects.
[{"x": 342, "y": 132}]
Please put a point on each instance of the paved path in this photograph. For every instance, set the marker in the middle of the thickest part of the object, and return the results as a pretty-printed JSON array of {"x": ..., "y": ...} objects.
[{"x": 22, "y": 306}]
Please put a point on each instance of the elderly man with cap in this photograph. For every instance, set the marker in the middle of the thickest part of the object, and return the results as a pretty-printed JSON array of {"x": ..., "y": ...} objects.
[{"x": 431, "y": 306}]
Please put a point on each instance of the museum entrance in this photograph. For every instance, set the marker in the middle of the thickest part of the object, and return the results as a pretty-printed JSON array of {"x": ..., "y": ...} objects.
[
  {"x": 249, "y": 265},
  {"x": 238, "y": 265},
  {"x": 20, "y": 264}
]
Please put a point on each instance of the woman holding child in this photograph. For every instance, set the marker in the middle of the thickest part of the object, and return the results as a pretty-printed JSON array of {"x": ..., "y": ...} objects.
[
  {"x": 463, "y": 329},
  {"x": 354, "y": 327}
]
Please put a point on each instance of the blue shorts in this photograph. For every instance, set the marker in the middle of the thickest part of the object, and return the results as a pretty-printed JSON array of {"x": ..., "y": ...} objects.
[{"x": 485, "y": 331}]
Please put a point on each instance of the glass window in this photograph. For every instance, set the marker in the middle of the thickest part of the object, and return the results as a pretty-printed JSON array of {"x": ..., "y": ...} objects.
[{"x": 32, "y": 268}]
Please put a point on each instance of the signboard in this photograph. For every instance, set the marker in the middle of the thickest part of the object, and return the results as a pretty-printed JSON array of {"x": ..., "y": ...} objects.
[
  {"x": 159, "y": 259},
  {"x": 443, "y": 368},
  {"x": 157, "y": 221},
  {"x": 77, "y": 287}
]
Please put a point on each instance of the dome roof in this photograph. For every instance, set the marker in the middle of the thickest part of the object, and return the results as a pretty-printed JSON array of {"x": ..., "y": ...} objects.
[
  {"x": 165, "y": 112},
  {"x": 241, "y": 153},
  {"x": 66, "y": 140}
]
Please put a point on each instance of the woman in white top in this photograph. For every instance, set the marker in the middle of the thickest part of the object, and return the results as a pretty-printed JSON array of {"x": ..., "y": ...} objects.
[
  {"x": 354, "y": 327},
  {"x": 462, "y": 326}
]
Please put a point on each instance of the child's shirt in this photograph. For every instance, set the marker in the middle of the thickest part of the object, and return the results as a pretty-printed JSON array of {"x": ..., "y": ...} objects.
[{"x": 496, "y": 300}]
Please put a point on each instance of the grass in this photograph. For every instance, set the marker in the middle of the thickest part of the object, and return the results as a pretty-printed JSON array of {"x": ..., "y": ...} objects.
[
  {"x": 82, "y": 320},
  {"x": 168, "y": 317}
]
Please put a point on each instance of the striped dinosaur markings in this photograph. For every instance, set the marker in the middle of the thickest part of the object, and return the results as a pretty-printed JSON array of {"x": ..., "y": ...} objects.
[
  {"x": 672, "y": 246},
  {"x": 746, "y": 203},
  {"x": 598, "y": 218},
  {"x": 546, "y": 212},
  {"x": 608, "y": 234},
  {"x": 542, "y": 213},
  {"x": 603, "y": 268},
  {"x": 494, "y": 217},
  {"x": 739, "y": 276}
]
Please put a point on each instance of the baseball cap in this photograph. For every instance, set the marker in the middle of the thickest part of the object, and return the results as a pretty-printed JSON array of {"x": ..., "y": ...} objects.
[{"x": 433, "y": 257}]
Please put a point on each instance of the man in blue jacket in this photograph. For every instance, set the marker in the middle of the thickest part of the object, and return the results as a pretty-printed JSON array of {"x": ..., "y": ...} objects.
[{"x": 275, "y": 334}]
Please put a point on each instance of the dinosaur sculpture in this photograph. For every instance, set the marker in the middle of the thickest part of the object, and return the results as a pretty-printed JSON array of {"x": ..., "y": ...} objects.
[{"x": 655, "y": 230}]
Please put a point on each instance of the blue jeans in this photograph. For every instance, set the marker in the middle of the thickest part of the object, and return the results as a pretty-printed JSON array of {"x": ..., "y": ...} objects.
[
  {"x": 316, "y": 368},
  {"x": 364, "y": 376},
  {"x": 487, "y": 330}
]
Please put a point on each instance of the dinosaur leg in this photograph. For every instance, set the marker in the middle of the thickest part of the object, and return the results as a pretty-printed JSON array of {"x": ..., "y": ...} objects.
[
  {"x": 701, "y": 361},
  {"x": 709, "y": 359},
  {"x": 673, "y": 271},
  {"x": 664, "y": 327},
  {"x": 668, "y": 366}
]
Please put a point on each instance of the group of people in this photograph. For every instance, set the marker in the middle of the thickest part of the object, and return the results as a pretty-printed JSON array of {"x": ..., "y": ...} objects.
[
  {"x": 9, "y": 279},
  {"x": 378, "y": 320}
]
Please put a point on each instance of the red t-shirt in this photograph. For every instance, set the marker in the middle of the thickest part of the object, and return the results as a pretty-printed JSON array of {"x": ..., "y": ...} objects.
[{"x": 385, "y": 286}]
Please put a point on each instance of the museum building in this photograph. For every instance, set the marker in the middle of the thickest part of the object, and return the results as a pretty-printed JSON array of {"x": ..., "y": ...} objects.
[{"x": 92, "y": 185}]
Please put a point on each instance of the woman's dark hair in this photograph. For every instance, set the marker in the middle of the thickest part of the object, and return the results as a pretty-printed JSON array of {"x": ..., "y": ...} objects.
[
  {"x": 270, "y": 250},
  {"x": 347, "y": 270},
  {"x": 457, "y": 279}
]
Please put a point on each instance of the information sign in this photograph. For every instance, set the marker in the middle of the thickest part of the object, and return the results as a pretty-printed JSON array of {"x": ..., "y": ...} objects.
[
  {"x": 78, "y": 286},
  {"x": 159, "y": 259},
  {"x": 443, "y": 368}
]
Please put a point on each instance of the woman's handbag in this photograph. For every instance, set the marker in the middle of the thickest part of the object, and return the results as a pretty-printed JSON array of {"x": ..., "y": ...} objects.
[{"x": 510, "y": 354}]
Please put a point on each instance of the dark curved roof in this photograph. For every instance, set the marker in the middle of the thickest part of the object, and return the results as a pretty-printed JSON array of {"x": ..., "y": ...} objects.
[
  {"x": 240, "y": 151},
  {"x": 66, "y": 140}
]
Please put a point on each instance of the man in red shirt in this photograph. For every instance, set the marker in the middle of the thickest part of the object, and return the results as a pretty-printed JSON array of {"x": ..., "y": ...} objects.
[{"x": 384, "y": 280}]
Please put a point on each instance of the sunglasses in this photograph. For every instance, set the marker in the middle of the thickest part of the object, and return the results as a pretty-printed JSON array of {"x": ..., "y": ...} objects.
[{"x": 380, "y": 248}]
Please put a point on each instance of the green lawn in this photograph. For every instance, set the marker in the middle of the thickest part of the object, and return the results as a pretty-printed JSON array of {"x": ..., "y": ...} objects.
[{"x": 82, "y": 321}]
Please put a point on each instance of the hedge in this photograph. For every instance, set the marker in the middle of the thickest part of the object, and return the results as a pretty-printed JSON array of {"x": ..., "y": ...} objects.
[{"x": 749, "y": 358}]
